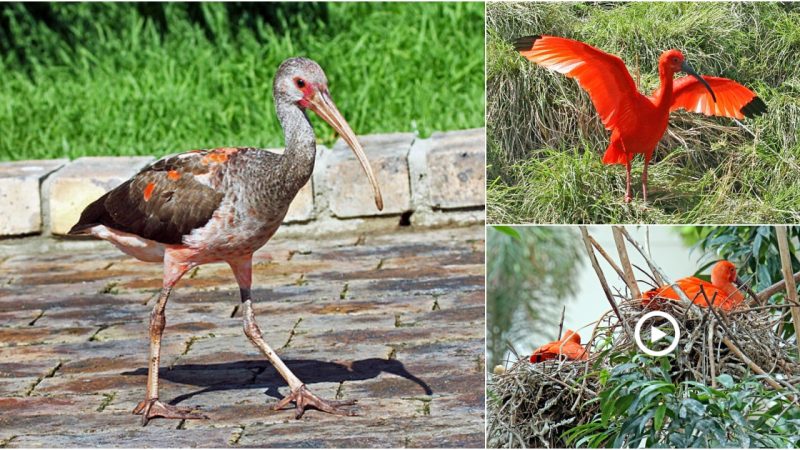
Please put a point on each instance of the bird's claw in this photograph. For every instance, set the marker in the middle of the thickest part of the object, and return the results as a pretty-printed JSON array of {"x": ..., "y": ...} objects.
[
  {"x": 303, "y": 398},
  {"x": 154, "y": 408}
]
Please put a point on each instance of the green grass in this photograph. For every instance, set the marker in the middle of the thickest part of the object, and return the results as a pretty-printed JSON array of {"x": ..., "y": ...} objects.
[
  {"x": 117, "y": 79},
  {"x": 545, "y": 141}
]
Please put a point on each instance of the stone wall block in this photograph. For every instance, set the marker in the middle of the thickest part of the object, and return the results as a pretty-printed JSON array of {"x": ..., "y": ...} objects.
[{"x": 20, "y": 201}]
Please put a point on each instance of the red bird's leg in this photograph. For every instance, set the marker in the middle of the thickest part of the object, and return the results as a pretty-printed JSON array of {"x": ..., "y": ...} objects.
[
  {"x": 151, "y": 406},
  {"x": 628, "y": 197},
  {"x": 299, "y": 393},
  {"x": 644, "y": 178}
]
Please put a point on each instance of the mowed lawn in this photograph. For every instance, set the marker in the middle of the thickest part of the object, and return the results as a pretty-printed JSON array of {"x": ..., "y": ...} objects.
[
  {"x": 545, "y": 140},
  {"x": 150, "y": 79}
]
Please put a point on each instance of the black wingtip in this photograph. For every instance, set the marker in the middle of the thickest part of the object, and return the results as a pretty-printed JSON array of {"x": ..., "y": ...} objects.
[
  {"x": 755, "y": 107},
  {"x": 525, "y": 43}
]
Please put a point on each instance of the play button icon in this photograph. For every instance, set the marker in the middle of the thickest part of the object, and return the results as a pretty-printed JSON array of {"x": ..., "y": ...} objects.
[{"x": 657, "y": 334}]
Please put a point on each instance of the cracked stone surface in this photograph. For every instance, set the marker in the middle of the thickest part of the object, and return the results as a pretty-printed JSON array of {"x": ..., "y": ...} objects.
[{"x": 395, "y": 320}]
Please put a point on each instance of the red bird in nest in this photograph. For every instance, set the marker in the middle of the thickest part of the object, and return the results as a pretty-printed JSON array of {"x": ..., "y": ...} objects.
[
  {"x": 569, "y": 346},
  {"x": 724, "y": 291},
  {"x": 222, "y": 205}
]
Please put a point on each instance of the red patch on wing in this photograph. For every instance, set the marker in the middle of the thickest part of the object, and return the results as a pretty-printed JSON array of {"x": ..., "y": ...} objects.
[
  {"x": 218, "y": 155},
  {"x": 173, "y": 175},
  {"x": 148, "y": 191}
]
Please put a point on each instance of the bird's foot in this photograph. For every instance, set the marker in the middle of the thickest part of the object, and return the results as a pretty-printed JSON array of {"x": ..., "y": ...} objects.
[
  {"x": 155, "y": 408},
  {"x": 628, "y": 198},
  {"x": 303, "y": 398}
]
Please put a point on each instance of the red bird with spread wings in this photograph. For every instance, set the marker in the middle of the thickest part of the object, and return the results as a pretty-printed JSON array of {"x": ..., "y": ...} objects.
[{"x": 637, "y": 122}]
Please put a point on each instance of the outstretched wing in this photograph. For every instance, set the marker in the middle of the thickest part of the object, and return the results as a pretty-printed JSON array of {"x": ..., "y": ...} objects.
[
  {"x": 733, "y": 99},
  {"x": 602, "y": 75},
  {"x": 166, "y": 200}
]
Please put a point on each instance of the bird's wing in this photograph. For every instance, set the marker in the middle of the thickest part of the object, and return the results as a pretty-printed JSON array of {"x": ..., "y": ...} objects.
[
  {"x": 571, "y": 336},
  {"x": 542, "y": 354},
  {"x": 691, "y": 287},
  {"x": 733, "y": 99},
  {"x": 574, "y": 351},
  {"x": 602, "y": 75},
  {"x": 167, "y": 199}
]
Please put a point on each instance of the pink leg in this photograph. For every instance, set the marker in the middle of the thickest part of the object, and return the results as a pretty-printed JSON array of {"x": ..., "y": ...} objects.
[
  {"x": 300, "y": 395},
  {"x": 628, "y": 196},
  {"x": 151, "y": 407},
  {"x": 644, "y": 178}
]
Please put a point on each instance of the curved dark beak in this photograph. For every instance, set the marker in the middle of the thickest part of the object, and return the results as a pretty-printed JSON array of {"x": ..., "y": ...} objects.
[
  {"x": 688, "y": 69},
  {"x": 741, "y": 285},
  {"x": 322, "y": 104}
]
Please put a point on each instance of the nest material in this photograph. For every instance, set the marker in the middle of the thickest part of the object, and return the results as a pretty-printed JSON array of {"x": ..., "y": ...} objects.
[{"x": 534, "y": 404}]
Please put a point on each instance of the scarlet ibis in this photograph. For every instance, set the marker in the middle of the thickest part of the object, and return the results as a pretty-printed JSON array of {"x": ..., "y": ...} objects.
[
  {"x": 222, "y": 205},
  {"x": 569, "y": 346},
  {"x": 638, "y": 122},
  {"x": 724, "y": 291}
]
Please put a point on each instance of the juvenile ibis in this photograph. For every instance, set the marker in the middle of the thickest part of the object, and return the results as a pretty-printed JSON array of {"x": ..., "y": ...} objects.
[
  {"x": 569, "y": 346},
  {"x": 724, "y": 291},
  {"x": 637, "y": 122},
  {"x": 222, "y": 205}
]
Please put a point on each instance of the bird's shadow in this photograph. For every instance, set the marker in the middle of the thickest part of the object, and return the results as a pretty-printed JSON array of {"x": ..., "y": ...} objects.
[{"x": 260, "y": 374}]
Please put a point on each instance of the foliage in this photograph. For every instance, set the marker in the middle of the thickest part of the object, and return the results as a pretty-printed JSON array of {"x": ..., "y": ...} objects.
[
  {"x": 641, "y": 406},
  {"x": 545, "y": 140},
  {"x": 134, "y": 78},
  {"x": 525, "y": 283},
  {"x": 753, "y": 249}
]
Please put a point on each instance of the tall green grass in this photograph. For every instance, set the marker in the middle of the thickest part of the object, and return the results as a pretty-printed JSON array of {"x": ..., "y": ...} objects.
[
  {"x": 147, "y": 79},
  {"x": 545, "y": 141}
]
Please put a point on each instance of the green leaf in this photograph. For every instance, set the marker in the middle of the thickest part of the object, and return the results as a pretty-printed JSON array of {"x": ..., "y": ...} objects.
[
  {"x": 510, "y": 231},
  {"x": 658, "y": 419},
  {"x": 725, "y": 380}
]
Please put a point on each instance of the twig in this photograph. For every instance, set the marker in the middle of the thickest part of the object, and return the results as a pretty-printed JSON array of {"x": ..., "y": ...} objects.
[
  {"x": 775, "y": 288},
  {"x": 602, "y": 278},
  {"x": 758, "y": 308},
  {"x": 658, "y": 279},
  {"x": 791, "y": 288},
  {"x": 630, "y": 278},
  {"x": 755, "y": 367},
  {"x": 657, "y": 270},
  {"x": 711, "y": 362},
  {"x": 513, "y": 350},
  {"x": 561, "y": 323},
  {"x": 607, "y": 258}
]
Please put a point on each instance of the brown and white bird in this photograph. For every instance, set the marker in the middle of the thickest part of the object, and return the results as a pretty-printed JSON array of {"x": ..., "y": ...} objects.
[{"x": 222, "y": 205}]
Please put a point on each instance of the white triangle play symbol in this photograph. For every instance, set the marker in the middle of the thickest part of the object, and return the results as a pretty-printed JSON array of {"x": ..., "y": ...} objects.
[{"x": 656, "y": 334}]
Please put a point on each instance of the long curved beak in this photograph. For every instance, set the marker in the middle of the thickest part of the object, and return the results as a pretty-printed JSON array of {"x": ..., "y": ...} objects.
[
  {"x": 322, "y": 104},
  {"x": 741, "y": 285},
  {"x": 688, "y": 69}
]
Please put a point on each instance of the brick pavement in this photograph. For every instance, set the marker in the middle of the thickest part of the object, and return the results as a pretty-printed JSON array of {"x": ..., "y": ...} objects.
[{"x": 394, "y": 319}]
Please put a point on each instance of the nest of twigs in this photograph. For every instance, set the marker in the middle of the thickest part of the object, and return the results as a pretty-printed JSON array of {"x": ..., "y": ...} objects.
[{"x": 534, "y": 404}]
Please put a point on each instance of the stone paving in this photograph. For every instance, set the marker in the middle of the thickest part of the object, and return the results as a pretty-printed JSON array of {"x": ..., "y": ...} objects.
[{"x": 393, "y": 319}]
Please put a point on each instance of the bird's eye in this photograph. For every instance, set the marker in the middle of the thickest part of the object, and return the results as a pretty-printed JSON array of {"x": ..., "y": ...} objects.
[
  {"x": 300, "y": 83},
  {"x": 675, "y": 59}
]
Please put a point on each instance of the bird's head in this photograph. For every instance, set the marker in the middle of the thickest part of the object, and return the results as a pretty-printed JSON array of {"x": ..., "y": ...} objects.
[
  {"x": 674, "y": 61},
  {"x": 724, "y": 272},
  {"x": 302, "y": 82}
]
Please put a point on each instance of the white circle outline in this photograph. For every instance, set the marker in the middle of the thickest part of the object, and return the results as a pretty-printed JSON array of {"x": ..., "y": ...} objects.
[{"x": 637, "y": 334}]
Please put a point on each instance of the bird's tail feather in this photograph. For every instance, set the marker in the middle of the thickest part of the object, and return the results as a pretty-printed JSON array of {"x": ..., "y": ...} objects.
[{"x": 615, "y": 154}]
